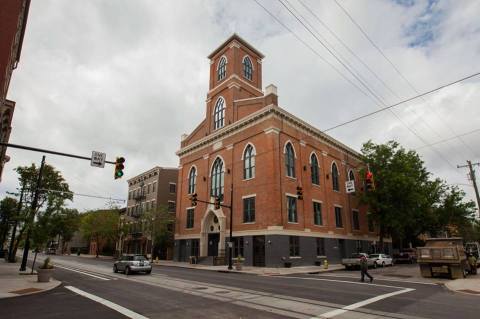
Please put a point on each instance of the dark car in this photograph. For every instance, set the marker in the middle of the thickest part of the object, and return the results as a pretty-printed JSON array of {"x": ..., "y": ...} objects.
[
  {"x": 408, "y": 255},
  {"x": 132, "y": 263}
]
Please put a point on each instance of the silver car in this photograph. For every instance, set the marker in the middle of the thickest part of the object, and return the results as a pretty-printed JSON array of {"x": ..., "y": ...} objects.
[{"x": 132, "y": 263}]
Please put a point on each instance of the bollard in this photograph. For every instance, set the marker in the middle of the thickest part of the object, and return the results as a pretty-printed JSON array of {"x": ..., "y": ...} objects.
[{"x": 325, "y": 264}]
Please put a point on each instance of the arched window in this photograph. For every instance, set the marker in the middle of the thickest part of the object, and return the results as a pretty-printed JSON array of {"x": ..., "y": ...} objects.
[
  {"x": 247, "y": 68},
  {"x": 217, "y": 178},
  {"x": 335, "y": 183},
  {"x": 351, "y": 176},
  {"x": 290, "y": 160},
  {"x": 192, "y": 180},
  {"x": 219, "y": 114},
  {"x": 249, "y": 162},
  {"x": 222, "y": 69},
  {"x": 314, "y": 169}
]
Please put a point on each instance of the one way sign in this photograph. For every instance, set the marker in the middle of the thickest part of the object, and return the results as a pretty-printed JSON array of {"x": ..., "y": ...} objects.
[{"x": 98, "y": 159}]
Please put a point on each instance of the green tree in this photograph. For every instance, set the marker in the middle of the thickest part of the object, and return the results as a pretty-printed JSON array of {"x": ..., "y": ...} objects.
[
  {"x": 159, "y": 224},
  {"x": 100, "y": 226},
  {"x": 8, "y": 212}
]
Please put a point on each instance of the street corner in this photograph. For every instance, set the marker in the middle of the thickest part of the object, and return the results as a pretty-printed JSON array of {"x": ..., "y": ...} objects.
[{"x": 469, "y": 285}]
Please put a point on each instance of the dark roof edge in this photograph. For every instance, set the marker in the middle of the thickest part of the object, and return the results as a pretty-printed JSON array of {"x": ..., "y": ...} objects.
[{"x": 239, "y": 39}]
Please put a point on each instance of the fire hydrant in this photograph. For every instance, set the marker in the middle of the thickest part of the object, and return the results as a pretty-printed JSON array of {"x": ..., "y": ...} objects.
[{"x": 325, "y": 264}]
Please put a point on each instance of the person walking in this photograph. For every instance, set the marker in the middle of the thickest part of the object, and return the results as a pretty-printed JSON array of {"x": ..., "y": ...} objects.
[{"x": 364, "y": 268}]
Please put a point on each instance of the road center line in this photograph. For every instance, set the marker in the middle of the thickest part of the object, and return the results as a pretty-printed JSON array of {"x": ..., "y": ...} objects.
[
  {"x": 354, "y": 306},
  {"x": 124, "y": 311},
  {"x": 82, "y": 272}
]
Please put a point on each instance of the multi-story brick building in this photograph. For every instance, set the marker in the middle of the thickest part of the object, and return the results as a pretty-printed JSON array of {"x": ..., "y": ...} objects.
[
  {"x": 148, "y": 191},
  {"x": 13, "y": 21},
  {"x": 248, "y": 143}
]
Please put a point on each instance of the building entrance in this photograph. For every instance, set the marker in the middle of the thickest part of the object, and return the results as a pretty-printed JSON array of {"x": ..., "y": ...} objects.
[
  {"x": 259, "y": 251},
  {"x": 213, "y": 240}
]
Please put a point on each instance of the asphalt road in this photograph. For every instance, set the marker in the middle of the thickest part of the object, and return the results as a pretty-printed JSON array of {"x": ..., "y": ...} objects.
[{"x": 171, "y": 292}]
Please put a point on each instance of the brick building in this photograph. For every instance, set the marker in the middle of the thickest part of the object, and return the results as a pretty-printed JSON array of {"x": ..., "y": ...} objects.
[
  {"x": 248, "y": 142},
  {"x": 13, "y": 21},
  {"x": 147, "y": 191}
]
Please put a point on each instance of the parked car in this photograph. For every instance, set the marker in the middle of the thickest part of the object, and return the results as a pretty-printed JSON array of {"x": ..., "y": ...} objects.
[
  {"x": 382, "y": 259},
  {"x": 354, "y": 261},
  {"x": 408, "y": 255},
  {"x": 132, "y": 263}
]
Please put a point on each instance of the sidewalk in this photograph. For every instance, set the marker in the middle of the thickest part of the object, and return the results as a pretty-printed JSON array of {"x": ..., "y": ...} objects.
[
  {"x": 13, "y": 283},
  {"x": 469, "y": 285},
  {"x": 261, "y": 271}
]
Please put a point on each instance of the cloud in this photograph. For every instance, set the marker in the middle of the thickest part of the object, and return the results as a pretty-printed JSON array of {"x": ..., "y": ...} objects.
[{"x": 128, "y": 78}]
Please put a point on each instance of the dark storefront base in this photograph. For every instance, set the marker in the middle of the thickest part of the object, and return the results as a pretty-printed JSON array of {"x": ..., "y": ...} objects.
[{"x": 275, "y": 250}]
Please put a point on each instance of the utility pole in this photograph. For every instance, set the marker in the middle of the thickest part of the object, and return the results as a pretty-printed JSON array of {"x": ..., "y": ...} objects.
[
  {"x": 11, "y": 256},
  {"x": 474, "y": 180},
  {"x": 23, "y": 266}
]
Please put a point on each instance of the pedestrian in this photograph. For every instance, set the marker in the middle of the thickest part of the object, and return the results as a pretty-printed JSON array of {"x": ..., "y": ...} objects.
[{"x": 364, "y": 268}]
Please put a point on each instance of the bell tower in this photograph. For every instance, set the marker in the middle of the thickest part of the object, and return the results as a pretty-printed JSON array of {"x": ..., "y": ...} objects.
[{"x": 235, "y": 74}]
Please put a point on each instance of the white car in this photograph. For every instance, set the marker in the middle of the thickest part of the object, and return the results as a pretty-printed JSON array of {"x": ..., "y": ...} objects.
[{"x": 382, "y": 260}]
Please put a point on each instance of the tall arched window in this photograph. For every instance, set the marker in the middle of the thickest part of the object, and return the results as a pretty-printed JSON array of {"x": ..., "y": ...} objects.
[
  {"x": 217, "y": 178},
  {"x": 192, "y": 180},
  {"x": 219, "y": 114},
  {"x": 247, "y": 68},
  {"x": 351, "y": 176},
  {"x": 222, "y": 69},
  {"x": 249, "y": 162},
  {"x": 314, "y": 169},
  {"x": 335, "y": 183},
  {"x": 290, "y": 160}
]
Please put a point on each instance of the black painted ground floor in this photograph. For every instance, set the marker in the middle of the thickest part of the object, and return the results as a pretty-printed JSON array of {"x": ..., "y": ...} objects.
[{"x": 279, "y": 250}]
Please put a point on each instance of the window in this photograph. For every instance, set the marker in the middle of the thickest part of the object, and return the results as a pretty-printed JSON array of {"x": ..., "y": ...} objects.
[
  {"x": 238, "y": 247},
  {"x": 317, "y": 213},
  {"x": 356, "y": 220},
  {"x": 192, "y": 177},
  {"x": 247, "y": 68},
  {"x": 314, "y": 170},
  {"x": 130, "y": 195},
  {"x": 338, "y": 217},
  {"x": 219, "y": 113},
  {"x": 171, "y": 206},
  {"x": 148, "y": 188},
  {"x": 222, "y": 69},
  {"x": 190, "y": 217},
  {"x": 335, "y": 184},
  {"x": 294, "y": 246},
  {"x": 371, "y": 225},
  {"x": 320, "y": 246},
  {"x": 351, "y": 176},
  {"x": 195, "y": 247},
  {"x": 249, "y": 162},
  {"x": 290, "y": 160},
  {"x": 217, "y": 178},
  {"x": 154, "y": 186},
  {"x": 249, "y": 210},
  {"x": 292, "y": 209},
  {"x": 173, "y": 188}
]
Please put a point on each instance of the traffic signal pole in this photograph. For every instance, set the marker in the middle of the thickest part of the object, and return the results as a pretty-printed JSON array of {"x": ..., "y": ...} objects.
[{"x": 11, "y": 256}]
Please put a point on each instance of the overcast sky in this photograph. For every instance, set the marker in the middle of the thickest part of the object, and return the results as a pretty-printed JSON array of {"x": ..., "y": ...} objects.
[{"x": 129, "y": 77}]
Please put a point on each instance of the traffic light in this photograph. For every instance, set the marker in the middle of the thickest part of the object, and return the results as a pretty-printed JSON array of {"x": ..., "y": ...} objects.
[
  {"x": 299, "y": 192},
  {"x": 193, "y": 199},
  {"x": 217, "y": 202},
  {"x": 369, "y": 183},
  {"x": 119, "y": 167}
]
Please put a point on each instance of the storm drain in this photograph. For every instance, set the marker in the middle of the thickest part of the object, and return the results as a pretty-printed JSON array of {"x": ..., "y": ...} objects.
[
  {"x": 200, "y": 288},
  {"x": 25, "y": 291},
  {"x": 470, "y": 291}
]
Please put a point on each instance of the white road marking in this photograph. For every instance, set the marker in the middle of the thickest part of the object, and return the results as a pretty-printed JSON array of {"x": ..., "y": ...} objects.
[
  {"x": 82, "y": 272},
  {"x": 384, "y": 279},
  {"x": 354, "y": 306},
  {"x": 343, "y": 281},
  {"x": 124, "y": 311}
]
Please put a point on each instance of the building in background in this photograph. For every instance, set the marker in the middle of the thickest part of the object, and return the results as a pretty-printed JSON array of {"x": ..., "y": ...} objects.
[
  {"x": 153, "y": 189},
  {"x": 13, "y": 21},
  {"x": 269, "y": 157}
]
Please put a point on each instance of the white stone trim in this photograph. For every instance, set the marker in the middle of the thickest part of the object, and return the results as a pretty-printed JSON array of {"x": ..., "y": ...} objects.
[
  {"x": 249, "y": 196},
  {"x": 213, "y": 162},
  {"x": 251, "y": 61},
  {"x": 229, "y": 147},
  {"x": 285, "y": 148},
  {"x": 245, "y": 148},
  {"x": 219, "y": 60},
  {"x": 272, "y": 130},
  {"x": 310, "y": 158},
  {"x": 303, "y": 143},
  {"x": 248, "y": 99},
  {"x": 224, "y": 107},
  {"x": 331, "y": 170}
]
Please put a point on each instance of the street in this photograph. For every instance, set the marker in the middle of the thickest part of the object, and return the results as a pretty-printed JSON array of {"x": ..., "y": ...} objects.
[{"x": 172, "y": 292}]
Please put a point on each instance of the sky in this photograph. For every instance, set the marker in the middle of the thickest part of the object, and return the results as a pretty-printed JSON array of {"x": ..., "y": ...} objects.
[{"x": 128, "y": 78}]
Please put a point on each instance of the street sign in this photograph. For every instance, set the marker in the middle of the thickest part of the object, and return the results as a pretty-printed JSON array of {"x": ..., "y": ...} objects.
[
  {"x": 98, "y": 159},
  {"x": 350, "y": 186}
]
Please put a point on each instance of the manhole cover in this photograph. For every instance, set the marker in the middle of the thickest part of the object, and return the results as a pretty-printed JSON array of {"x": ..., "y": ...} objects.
[
  {"x": 470, "y": 291},
  {"x": 25, "y": 291},
  {"x": 200, "y": 288}
]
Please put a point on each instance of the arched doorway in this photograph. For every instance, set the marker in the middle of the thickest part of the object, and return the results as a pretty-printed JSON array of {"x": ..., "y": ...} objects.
[{"x": 212, "y": 236}]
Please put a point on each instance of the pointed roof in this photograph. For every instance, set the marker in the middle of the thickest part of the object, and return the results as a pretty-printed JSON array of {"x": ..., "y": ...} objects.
[{"x": 239, "y": 39}]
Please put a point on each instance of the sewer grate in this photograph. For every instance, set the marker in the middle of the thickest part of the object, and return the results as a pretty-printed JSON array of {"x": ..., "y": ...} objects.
[
  {"x": 200, "y": 288},
  {"x": 25, "y": 291},
  {"x": 470, "y": 291}
]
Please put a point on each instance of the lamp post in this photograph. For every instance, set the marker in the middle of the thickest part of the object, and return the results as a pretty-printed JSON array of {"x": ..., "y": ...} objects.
[{"x": 230, "y": 244}]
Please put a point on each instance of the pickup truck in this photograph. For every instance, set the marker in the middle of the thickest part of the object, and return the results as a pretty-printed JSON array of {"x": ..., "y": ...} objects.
[{"x": 354, "y": 261}]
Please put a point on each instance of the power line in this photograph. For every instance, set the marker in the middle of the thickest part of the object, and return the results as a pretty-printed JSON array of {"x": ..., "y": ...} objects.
[
  {"x": 451, "y": 138},
  {"x": 399, "y": 72},
  {"x": 83, "y": 195}
]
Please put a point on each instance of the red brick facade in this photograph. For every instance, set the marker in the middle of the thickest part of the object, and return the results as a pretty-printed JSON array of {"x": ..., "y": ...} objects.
[{"x": 254, "y": 118}]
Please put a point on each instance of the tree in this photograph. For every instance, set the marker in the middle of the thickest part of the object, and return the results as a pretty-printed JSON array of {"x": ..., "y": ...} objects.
[
  {"x": 8, "y": 210},
  {"x": 100, "y": 226},
  {"x": 158, "y": 223}
]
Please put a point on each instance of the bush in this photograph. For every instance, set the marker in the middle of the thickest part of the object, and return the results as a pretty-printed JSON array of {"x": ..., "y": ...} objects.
[{"x": 46, "y": 264}]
